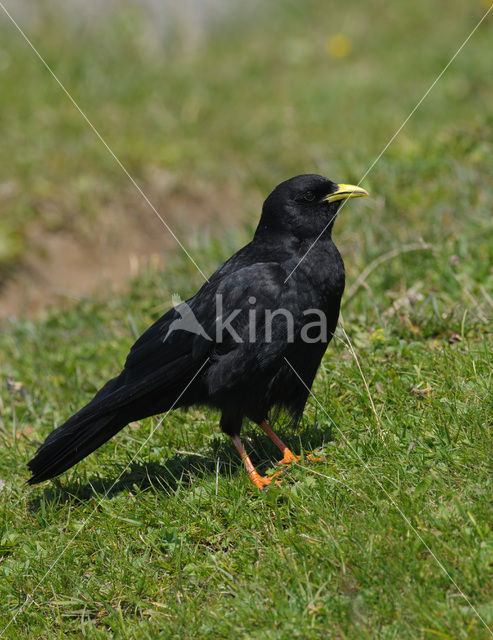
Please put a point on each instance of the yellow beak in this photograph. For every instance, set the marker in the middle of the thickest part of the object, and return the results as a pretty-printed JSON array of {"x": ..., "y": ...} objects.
[{"x": 345, "y": 191}]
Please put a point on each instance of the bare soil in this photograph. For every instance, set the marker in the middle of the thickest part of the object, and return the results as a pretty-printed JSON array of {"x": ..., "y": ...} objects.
[{"x": 126, "y": 237}]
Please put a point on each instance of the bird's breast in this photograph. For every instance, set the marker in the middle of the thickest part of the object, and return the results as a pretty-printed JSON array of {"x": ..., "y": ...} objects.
[{"x": 321, "y": 266}]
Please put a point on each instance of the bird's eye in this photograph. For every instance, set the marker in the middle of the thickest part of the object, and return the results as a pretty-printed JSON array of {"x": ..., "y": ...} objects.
[{"x": 309, "y": 196}]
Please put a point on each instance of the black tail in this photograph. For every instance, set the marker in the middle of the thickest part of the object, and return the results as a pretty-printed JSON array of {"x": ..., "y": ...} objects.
[
  {"x": 67, "y": 445},
  {"x": 79, "y": 436},
  {"x": 120, "y": 401}
]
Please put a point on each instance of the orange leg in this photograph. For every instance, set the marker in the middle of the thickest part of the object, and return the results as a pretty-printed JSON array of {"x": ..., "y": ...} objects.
[
  {"x": 259, "y": 481},
  {"x": 288, "y": 456}
]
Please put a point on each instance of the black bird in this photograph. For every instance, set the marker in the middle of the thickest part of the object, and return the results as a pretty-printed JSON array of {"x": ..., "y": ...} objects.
[{"x": 249, "y": 342}]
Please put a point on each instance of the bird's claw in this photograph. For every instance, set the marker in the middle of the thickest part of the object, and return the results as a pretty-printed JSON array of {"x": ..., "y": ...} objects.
[
  {"x": 259, "y": 481},
  {"x": 312, "y": 458},
  {"x": 262, "y": 482},
  {"x": 289, "y": 458}
]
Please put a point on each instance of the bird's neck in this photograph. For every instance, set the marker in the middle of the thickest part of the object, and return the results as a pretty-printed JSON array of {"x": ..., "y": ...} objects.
[
  {"x": 277, "y": 235},
  {"x": 321, "y": 264}
]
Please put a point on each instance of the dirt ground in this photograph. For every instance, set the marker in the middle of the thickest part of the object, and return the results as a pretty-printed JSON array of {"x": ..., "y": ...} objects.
[{"x": 126, "y": 238}]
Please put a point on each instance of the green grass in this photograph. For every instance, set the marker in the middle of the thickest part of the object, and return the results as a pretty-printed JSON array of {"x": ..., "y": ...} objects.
[
  {"x": 170, "y": 540},
  {"x": 259, "y": 101}
]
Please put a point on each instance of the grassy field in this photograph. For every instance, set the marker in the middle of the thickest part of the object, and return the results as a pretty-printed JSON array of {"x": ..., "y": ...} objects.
[{"x": 390, "y": 536}]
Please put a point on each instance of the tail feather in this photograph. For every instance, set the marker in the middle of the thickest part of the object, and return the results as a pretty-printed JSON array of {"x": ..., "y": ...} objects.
[
  {"x": 69, "y": 444},
  {"x": 119, "y": 402},
  {"x": 81, "y": 434}
]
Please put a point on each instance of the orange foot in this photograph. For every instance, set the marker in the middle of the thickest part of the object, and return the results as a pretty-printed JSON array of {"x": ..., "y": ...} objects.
[
  {"x": 259, "y": 481},
  {"x": 311, "y": 458},
  {"x": 289, "y": 457},
  {"x": 276, "y": 475},
  {"x": 264, "y": 481}
]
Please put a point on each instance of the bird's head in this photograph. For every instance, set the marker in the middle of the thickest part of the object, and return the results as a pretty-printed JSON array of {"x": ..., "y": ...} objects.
[{"x": 305, "y": 206}]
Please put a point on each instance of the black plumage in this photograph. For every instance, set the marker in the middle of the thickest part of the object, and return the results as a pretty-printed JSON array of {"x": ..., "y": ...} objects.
[{"x": 259, "y": 362}]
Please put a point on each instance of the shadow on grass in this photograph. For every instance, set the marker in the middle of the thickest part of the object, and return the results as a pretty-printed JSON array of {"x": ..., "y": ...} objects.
[{"x": 220, "y": 458}]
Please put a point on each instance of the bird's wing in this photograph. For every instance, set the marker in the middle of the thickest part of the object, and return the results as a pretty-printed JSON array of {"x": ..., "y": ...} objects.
[
  {"x": 180, "y": 342},
  {"x": 201, "y": 327},
  {"x": 258, "y": 303},
  {"x": 171, "y": 339}
]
